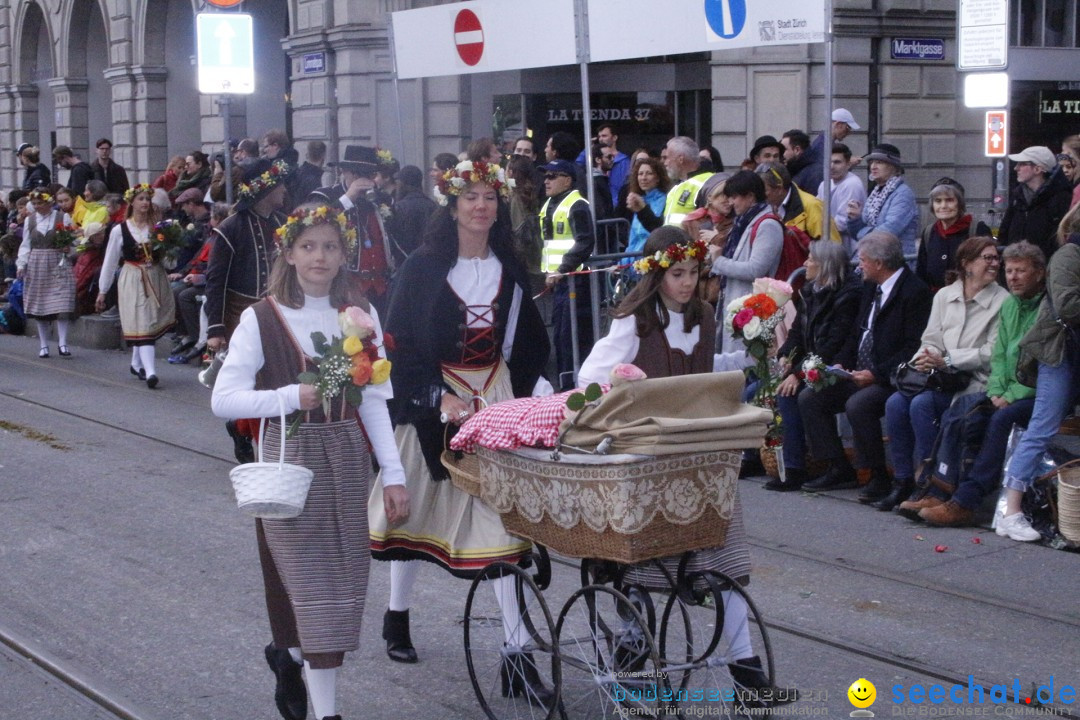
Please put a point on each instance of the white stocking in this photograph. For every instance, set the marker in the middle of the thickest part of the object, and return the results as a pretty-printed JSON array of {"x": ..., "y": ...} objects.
[
  {"x": 322, "y": 690},
  {"x": 136, "y": 359},
  {"x": 62, "y": 325},
  {"x": 736, "y": 626},
  {"x": 513, "y": 626},
  {"x": 148, "y": 355},
  {"x": 44, "y": 329},
  {"x": 402, "y": 578}
]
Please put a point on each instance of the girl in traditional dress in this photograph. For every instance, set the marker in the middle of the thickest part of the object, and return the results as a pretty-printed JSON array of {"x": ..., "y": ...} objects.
[
  {"x": 465, "y": 331},
  {"x": 49, "y": 281},
  {"x": 315, "y": 566},
  {"x": 665, "y": 329},
  {"x": 147, "y": 309}
]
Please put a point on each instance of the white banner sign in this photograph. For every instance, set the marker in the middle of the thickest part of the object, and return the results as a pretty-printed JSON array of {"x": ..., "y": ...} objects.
[
  {"x": 620, "y": 29},
  {"x": 484, "y": 36}
]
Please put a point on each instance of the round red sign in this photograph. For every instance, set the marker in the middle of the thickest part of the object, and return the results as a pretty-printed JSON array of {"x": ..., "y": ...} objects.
[{"x": 469, "y": 37}]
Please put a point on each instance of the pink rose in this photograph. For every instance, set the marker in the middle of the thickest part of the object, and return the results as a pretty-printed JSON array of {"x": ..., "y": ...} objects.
[
  {"x": 741, "y": 318},
  {"x": 355, "y": 322},
  {"x": 813, "y": 375},
  {"x": 778, "y": 290},
  {"x": 626, "y": 372}
]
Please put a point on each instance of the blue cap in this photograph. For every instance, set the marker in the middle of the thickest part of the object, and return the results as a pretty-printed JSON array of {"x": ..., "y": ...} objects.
[{"x": 562, "y": 167}]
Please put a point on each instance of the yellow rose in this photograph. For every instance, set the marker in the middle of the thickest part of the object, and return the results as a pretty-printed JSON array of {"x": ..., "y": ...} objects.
[
  {"x": 380, "y": 371},
  {"x": 352, "y": 345}
]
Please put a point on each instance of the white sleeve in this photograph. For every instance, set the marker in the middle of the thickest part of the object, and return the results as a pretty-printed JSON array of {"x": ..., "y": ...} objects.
[
  {"x": 739, "y": 360},
  {"x": 24, "y": 247},
  {"x": 112, "y": 257},
  {"x": 235, "y": 395},
  {"x": 620, "y": 345},
  {"x": 346, "y": 203},
  {"x": 542, "y": 388},
  {"x": 380, "y": 433}
]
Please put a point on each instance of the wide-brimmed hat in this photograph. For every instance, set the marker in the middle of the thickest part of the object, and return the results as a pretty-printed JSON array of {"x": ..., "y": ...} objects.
[
  {"x": 766, "y": 141},
  {"x": 260, "y": 177},
  {"x": 358, "y": 158},
  {"x": 885, "y": 153},
  {"x": 1038, "y": 154}
]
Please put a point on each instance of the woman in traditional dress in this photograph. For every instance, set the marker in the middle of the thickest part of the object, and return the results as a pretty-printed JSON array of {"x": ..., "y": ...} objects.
[
  {"x": 665, "y": 329},
  {"x": 465, "y": 332},
  {"x": 147, "y": 310},
  {"x": 315, "y": 566},
  {"x": 49, "y": 281}
]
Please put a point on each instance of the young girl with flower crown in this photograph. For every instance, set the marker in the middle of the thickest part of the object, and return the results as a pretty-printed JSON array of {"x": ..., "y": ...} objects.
[
  {"x": 315, "y": 566},
  {"x": 48, "y": 276},
  {"x": 665, "y": 329}
]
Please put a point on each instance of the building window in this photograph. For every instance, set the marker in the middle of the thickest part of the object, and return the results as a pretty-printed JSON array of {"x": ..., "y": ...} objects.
[{"x": 1045, "y": 23}]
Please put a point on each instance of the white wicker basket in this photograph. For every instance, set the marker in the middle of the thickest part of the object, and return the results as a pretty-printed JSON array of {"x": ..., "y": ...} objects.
[{"x": 271, "y": 490}]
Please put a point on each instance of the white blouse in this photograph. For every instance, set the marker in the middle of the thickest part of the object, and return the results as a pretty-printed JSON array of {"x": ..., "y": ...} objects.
[
  {"x": 43, "y": 224},
  {"x": 621, "y": 345},
  {"x": 235, "y": 395},
  {"x": 114, "y": 249}
]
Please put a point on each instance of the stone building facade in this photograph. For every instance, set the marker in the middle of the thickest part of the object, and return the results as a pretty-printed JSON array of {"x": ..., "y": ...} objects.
[{"x": 76, "y": 70}]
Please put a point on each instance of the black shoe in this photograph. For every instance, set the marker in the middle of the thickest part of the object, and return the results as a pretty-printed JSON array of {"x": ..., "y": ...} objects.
[
  {"x": 64, "y": 352},
  {"x": 839, "y": 477},
  {"x": 43, "y": 353},
  {"x": 140, "y": 373},
  {"x": 520, "y": 678},
  {"x": 751, "y": 465},
  {"x": 242, "y": 448},
  {"x": 290, "y": 693},
  {"x": 151, "y": 381},
  {"x": 794, "y": 479},
  {"x": 180, "y": 347},
  {"x": 194, "y": 353},
  {"x": 901, "y": 489},
  {"x": 395, "y": 631},
  {"x": 878, "y": 488}
]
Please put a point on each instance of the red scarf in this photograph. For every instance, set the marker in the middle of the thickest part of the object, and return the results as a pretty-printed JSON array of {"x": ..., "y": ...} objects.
[{"x": 960, "y": 226}]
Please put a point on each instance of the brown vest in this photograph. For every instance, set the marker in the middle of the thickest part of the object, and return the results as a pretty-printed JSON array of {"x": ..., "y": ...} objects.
[{"x": 658, "y": 359}]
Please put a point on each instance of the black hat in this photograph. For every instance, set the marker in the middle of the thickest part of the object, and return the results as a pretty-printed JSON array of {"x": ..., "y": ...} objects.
[
  {"x": 260, "y": 177},
  {"x": 886, "y": 153},
  {"x": 766, "y": 141},
  {"x": 358, "y": 158},
  {"x": 23, "y": 147}
]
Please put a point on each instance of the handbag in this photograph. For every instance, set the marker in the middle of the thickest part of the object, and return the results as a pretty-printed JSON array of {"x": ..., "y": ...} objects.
[
  {"x": 271, "y": 490},
  {"x": 910, "y": 381}
]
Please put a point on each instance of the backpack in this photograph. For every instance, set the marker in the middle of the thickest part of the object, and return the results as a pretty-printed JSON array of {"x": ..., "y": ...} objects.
[{"x": 795, "y": 250}]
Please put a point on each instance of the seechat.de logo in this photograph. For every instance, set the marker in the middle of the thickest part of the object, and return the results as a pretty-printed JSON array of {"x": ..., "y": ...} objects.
[{"x": 726, "y": 17}]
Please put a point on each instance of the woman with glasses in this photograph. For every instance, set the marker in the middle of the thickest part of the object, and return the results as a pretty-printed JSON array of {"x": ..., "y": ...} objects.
[{"x": 959, "y": 338}]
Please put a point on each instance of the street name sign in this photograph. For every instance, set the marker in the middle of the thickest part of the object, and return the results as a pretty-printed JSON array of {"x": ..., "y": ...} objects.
[
  {"x": 226, "y": 53},
  {"x": 917, "y": 49}
]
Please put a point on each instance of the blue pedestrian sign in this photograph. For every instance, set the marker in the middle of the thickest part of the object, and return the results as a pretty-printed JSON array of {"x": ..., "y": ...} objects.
[
  {"x": 726, "y": 18},
  {"x": 226, "y": 53}
]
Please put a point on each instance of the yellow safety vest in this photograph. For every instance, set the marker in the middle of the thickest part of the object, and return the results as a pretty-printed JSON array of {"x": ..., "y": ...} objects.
[
  {"x": 682, "y": 199},
  {"x": 562, "y": 238}
]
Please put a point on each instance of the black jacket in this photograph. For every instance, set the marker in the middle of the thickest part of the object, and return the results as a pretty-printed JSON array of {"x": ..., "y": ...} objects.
[
  {"x": 406, "y": 225},
  {"x": 825, "y": 323},
  {"x": 898, "y": 328},
  {"x": 36, "y": 176},
  {"x": 308, "y": 180},
  {"x": 114, "y": 177},
  {"x": 81, "y": 173},
  {"x": 1038, "y": 220}
]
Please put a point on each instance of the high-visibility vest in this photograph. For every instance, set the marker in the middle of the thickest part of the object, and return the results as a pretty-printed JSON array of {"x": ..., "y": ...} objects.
[
  {"x": 681, "y": 199},
  {"x": 562, "y": 238}
]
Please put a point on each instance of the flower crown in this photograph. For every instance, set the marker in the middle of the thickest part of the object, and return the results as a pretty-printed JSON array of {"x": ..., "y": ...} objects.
[
  {"x": 303, "y": 218},
  {"x": 675, "y": 253},
  {"x": 455, "y": 180},
  {"x": 39, "y": 194},
  {"x": 139, "y": 189},
  {"x": 255, "y": 187}
]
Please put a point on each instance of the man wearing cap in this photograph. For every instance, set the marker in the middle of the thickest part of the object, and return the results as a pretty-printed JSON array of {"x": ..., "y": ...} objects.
[
  {"x": 1038, "y": 202},
  {"x": 767, "y": 149},
  {"x": 567, "y": 231},
  {"x": 108, "y": 172},
  {"x": 37, "y": 173},
  {"x": 843, "y": 122},
  {"x": 890, "y": 206},
  {"x": 188, "y": 281},
  {"x": 81, "y": 172},
  {"x": 244, "y": 249},
  {"x": 370, "y": 262},
  {"x": 682, "y": 162}
]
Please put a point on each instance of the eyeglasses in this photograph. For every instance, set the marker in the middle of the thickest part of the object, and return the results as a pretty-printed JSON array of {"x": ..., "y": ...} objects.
[{"x": 988, "y": 258}]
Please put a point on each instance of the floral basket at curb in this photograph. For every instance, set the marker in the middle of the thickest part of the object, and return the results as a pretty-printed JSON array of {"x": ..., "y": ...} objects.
[{"x": 769, "y": 460}]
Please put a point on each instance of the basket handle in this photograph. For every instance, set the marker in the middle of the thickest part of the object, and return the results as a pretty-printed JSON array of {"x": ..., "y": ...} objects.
[{"x": 262, "y": 432}]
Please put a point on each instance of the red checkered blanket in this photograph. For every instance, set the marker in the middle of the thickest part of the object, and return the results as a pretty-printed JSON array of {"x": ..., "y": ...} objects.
[{"x": 531, "y": 421}]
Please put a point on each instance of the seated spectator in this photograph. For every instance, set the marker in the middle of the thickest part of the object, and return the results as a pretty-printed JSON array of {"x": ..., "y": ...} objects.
[
  {"x": 88, "y": 267},
  {"x": 1005, "y": 403},
  {"x": 893, "y": 312},
  {"x": 796, "y": 207},
  {"x": 197, "y": 174},
  {"x": 173, "y": 171},
  {"x": 890, "y": 205},
  {"x": 94, "y": 205},
  {"x": 71, "y": 204},
  {"x": 1049, "y": 352},
  {"x": 959, "y": 338},
  {"x": 188, "y": 292},
  {"x": 826, "y": 310},
  {"x": 940, "y": 239}
]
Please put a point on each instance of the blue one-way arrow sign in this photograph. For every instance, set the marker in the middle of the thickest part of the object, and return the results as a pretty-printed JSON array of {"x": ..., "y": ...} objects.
[{"x": 226, "y": 53}]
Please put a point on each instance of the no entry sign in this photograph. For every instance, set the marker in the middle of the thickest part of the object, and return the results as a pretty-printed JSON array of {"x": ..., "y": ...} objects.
[{"x": 469, "y": 37}]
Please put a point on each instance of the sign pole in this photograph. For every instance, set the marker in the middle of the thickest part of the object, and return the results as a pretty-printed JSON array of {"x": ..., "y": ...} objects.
[
  {"x": 827, "y": 142},
  {"x": 581, "y": 13},
  {"x": 225, "y": 102},
  {"x": 397, "y": 91}
]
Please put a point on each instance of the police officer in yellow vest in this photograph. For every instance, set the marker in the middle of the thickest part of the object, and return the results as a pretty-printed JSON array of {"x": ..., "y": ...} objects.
[
  {"x": 682, "y": 162},
  {"x": 569, "y": 237}
]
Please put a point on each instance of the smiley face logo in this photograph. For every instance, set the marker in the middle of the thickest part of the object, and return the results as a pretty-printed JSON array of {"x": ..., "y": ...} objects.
[{"x": 862, "y": 693}]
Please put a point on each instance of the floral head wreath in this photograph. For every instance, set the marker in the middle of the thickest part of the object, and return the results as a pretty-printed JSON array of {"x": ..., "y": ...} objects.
[
  {"x": 253, "y": 189},
  {"x": 139, "y": 189},
  {"x": 385, "y": 156},
  {"x": 303, "y": 218},
  {"x": 455, "y": 180},
  {"x": 40, "y": 195},
  {"x": 675, "y": 253}
]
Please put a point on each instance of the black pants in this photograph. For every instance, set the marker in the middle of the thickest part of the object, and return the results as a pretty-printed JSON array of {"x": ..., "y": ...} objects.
[
  {"x": 864, "y": 408},
  {"x": 563, "y": 338},
  {"x": 187, "y": 309}
]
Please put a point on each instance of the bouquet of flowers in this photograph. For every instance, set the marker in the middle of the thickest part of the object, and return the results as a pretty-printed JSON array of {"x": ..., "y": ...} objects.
[
  {"x": 815, "y": 373},
  {"x": 167, "y": 238},
  {"x": 347, "y": 364},
  {"x": 64, "y": 236}
]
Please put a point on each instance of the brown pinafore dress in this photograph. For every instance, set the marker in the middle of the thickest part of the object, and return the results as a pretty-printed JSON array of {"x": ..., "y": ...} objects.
[{"x": 315, "y": 566}]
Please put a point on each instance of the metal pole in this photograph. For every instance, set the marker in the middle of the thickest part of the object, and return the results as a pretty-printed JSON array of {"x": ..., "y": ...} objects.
[
  {"x": 826, "y": 149},
  {"x": 397, "y": 92},
  {"x": 223, "y": 102},
  {"x": 582, "y": 14}
]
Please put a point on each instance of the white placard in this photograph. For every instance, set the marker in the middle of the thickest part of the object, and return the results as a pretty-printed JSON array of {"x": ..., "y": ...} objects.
[
  {"x": 983, "y": 35},
  {"x": 226, "y": 53},
  {"x": 620, "y": 29},
  {"x": 484, "y": 36}
]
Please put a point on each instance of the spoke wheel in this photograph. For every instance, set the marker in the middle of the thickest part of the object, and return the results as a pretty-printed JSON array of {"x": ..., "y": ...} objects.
[
  {"x": 611, "y": 667},
  {"x": 503, "y": 673}
]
